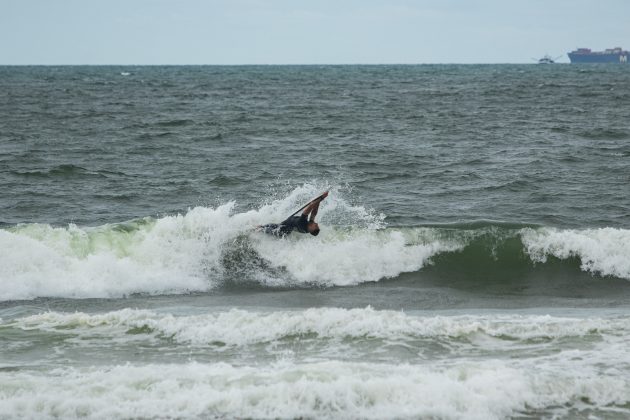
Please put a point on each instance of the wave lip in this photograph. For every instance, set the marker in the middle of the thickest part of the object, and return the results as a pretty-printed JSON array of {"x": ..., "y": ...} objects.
[{"x": 604, "y": 251}]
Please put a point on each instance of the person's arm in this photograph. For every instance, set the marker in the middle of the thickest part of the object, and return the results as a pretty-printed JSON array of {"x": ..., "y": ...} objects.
[
  {"x": 309, "y": 209},
  {"x": 314, "y": 207},
  {"x": 314, "y": 211}
]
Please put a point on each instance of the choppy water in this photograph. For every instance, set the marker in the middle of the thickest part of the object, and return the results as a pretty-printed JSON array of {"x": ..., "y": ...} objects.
[{"x": 474, "y": 259}]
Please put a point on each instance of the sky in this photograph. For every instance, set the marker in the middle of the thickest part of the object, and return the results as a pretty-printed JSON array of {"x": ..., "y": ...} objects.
[{"x": 140, "y": 32}]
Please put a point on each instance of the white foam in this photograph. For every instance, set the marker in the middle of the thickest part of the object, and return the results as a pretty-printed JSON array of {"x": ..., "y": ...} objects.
[
  {"x": 239, "y": 327},
  {"x": 333, "y": 389},
  {"x": 183, "y": 253},
  {"x": 470, "y": 384},
  {"x": 348, "y": 259},
  {"x": 162, "y": 256},
  {"x": 605, "y": 251}
]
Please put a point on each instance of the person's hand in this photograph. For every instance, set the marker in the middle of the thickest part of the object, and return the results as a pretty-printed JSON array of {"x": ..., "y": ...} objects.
[{"x": 325, "y": 195}]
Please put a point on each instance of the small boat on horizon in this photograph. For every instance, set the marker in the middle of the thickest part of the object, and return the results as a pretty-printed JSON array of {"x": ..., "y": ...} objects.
[{"x": 547, "y": 59}]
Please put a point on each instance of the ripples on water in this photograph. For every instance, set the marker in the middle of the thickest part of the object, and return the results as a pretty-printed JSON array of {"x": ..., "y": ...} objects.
[{"x": 423, "y": 144}]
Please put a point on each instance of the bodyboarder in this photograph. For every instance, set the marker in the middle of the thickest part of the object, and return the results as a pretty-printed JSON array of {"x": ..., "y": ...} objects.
[{"x": 305, "y": 223}]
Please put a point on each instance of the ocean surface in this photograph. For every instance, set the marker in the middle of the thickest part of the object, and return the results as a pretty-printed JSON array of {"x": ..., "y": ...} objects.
[{"x": 473, "y": 262}]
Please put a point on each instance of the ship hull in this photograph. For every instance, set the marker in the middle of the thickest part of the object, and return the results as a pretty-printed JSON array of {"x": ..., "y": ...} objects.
[{"x": 599, "y": 58}]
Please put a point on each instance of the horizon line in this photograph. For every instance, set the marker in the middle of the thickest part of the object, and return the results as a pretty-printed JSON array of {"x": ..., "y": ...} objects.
[{"x": 265, "y": 64}]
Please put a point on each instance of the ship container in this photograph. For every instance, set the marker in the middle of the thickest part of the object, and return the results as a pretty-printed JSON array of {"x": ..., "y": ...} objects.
[{"x": 611, "y": 55}]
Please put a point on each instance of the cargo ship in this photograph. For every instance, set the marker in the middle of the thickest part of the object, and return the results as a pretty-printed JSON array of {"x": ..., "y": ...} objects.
[{"x": 612, "y": 55}]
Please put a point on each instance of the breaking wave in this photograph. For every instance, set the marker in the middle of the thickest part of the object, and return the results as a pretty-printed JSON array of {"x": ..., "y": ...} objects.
[
  {"x": 545, "y": 382},
  {"x": 238, "y": 327},
  {"x": 207, "y": 247}
]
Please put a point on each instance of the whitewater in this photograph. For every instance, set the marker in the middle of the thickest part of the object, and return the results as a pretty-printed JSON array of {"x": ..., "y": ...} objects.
[
  {"x": 200, "y": 250},
  {"x": 326, "y": 362},
  {"x": 281, "y": 357}
]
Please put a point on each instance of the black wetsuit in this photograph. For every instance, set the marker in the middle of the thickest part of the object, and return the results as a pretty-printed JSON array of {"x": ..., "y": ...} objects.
[{"x": 299, "y": 223}]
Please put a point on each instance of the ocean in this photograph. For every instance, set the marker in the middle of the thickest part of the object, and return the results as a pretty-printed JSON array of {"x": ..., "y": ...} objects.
[{"x": 473, "y": 260}]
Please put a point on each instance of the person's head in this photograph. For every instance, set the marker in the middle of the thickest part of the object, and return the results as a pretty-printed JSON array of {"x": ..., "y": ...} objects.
[{"x": 313, "y": 228}]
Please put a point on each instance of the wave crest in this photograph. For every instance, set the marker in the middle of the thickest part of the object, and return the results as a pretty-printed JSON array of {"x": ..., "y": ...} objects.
[
  {"x": 241, "y": 328},
  {"x": 207, "y": 247},
  {"x": 604, "y": 251}
]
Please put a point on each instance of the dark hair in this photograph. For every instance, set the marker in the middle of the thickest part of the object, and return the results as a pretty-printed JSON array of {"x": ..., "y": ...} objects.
[{"x": 315, "y": 232}]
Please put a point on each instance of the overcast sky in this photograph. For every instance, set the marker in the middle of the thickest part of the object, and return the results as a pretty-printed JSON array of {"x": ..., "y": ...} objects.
[{"x": 305, "y": 32}]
